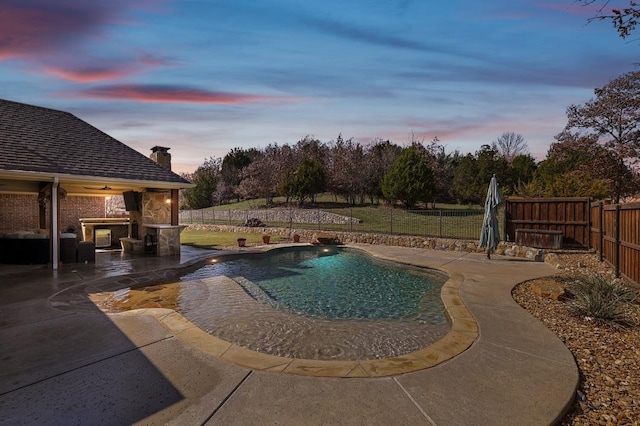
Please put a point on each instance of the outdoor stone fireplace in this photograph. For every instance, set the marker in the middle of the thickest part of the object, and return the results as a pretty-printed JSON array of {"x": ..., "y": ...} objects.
[
  {"x": 151, "y": 230},
  {"x": 155, "y": 234}
]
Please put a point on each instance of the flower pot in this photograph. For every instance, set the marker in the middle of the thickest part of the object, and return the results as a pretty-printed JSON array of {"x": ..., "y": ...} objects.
[
  {"x": 296, "y": 238},
  {"x": 266, "y": 238},
  {"x": 242, "y": 242}
]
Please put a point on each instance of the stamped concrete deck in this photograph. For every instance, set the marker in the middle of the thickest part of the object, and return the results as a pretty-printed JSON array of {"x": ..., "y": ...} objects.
[{"x": 80, "y": 366}]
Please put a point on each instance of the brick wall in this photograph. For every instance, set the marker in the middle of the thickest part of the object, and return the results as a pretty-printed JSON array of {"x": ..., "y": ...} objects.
[
  {"x": 19, "y": 212},
  {"x": 72, "y": 208}
]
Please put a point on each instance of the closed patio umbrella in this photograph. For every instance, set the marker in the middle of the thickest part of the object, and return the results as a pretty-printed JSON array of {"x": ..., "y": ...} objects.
[{"x": 490, "y": 235}]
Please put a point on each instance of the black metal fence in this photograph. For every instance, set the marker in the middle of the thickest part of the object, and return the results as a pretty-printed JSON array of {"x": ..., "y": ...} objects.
[{"x": 444, "y": 223}]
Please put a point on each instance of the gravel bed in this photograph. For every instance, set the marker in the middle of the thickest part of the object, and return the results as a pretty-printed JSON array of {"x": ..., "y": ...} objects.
[{"x": 607, "y": 355}]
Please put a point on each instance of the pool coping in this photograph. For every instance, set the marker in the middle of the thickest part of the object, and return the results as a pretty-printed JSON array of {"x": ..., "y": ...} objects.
[{"x": 463, "y": 333}]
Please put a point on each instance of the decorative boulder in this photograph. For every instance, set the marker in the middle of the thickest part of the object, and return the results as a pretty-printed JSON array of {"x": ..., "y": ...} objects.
[{"x": 548, "y": 289}]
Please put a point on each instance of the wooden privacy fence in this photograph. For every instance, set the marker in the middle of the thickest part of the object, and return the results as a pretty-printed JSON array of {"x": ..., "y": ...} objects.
[
  {"x": 615, "y": 233},
  {"x": 612, "y": 229},
  {"x": 569, "y": 216}
]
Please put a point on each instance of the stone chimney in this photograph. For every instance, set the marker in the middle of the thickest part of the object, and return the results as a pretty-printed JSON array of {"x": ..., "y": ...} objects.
[{"x": 161, "y": 156}]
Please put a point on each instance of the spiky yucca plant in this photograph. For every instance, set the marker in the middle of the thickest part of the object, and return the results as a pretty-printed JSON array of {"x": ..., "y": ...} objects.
[{"x": 602, "y": 298}]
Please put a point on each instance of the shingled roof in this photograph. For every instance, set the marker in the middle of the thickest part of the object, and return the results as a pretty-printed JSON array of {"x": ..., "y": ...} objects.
[{"x": 42, "y": 140}]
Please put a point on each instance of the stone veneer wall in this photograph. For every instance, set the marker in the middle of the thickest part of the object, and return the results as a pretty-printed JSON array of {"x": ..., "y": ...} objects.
[
  {"x": 169, "y": 242},
  {"x": 154, "y": 210},
  {"x": 504, "y": 248}
]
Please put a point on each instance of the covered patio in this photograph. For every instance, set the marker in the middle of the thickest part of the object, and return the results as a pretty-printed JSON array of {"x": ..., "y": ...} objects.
[{"x": 56, "y": 169}]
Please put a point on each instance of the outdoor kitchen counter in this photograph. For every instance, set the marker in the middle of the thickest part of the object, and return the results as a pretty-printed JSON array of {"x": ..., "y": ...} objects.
[{"x": 165, "y": 239}]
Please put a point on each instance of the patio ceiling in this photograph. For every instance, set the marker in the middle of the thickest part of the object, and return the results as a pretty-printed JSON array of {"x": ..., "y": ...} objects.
[{"x": 29, "y": 183}]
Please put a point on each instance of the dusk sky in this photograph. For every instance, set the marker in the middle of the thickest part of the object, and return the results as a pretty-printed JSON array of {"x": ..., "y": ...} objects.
[{"x": 202, "y": 77}]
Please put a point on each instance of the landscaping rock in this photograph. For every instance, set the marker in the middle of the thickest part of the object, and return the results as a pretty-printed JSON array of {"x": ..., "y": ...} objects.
[
  {"x": 553, "y": 259},
  {"x": 607, "y": 355},
  {"x": 549, "y": 289}
]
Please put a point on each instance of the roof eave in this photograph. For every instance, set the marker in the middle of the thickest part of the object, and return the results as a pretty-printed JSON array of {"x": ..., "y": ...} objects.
[{"x": 81, "y": 179}]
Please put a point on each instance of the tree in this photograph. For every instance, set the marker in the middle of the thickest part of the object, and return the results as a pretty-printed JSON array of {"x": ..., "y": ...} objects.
[
  {"x": 309, "y": 180},
  {"x": 287, "y": 186},
  {"x": 378, "y": 159},
  {"x": 347, "y": 173},
  {"x": 463, "y": 185},
  {"x": 444, "y": 166},
  {"x": 613, "y": 116},
  {"x": 575, "y": 166},
  {"x": 409, "y": 179},
  {"x": 612, "y": 119},
  {"x": 205, "y": 179},
  {"x": 624, "y": 19},
  {"x": 521, "y": 171},
  {"x": 261, "y": 177},
  {"x": 232, "y": 165},
  {"x": 474, "y": 172},
  {"x": 510, "y": 145}
]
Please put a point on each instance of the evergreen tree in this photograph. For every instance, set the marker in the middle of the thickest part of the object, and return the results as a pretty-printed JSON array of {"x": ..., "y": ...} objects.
[
  {"x": 205, "y": 179},
  {"x": 309, "y": 180},
  {"x": 409, "y": 179}
]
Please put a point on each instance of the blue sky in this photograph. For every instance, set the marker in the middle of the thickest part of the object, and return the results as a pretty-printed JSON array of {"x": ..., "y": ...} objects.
[{"x": 205, "y": 76}]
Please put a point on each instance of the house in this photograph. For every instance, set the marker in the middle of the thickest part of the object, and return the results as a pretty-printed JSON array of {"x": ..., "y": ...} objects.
[{"x": 56, "y": 168}]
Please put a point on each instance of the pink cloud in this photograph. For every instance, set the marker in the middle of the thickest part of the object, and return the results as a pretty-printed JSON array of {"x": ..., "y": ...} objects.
[
  {"x": 29, "y": 28},
  {"x": 172, "y": 94},
  {"x": 87, "y": 75},
  {"x": 32, "y": 26},
  {"x": 85, "y": 72}
]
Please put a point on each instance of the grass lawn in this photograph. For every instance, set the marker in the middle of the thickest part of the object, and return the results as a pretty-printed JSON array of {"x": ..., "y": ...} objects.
[
  {"x": 446, "y": 221},
  {"x": 217, "y": 240}
]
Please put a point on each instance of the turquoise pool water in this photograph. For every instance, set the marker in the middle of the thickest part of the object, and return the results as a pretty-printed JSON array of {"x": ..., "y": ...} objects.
[
  {"x": 335, "y": 283},
  {"x": 326, "y": 303}
]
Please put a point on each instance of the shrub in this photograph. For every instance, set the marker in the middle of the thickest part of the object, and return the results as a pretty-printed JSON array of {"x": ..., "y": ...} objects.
[{"x": 601, "y": 298}]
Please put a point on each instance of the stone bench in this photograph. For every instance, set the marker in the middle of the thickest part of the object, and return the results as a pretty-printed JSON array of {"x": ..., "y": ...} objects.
[{"x": 131, "y": 245}]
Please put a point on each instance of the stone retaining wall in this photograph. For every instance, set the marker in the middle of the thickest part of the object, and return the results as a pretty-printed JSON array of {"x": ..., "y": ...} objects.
[
  {"x": 272, "y": 215},
  {"x": 306, "y": 235}
]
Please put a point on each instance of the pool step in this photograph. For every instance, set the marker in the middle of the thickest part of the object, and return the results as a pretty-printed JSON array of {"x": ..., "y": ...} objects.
[{"x": 254, "y": 290}]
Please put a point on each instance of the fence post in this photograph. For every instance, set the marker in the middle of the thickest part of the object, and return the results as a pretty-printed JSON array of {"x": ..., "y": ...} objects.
[
  {"x": 391, "y": 221},
  {"x": 601, "y": 231},
  {"x": 318, "y": 215},
  {"x": 201, "y": 216},
  {"x": 351, "y": 219},
  {"x": 290, "y": 221},
  {"x": 588, "y": 223},
  {"x": 440, "y": 222},
  {"x": 505, "y": 206},
  {"x": 617, "y": 236}
]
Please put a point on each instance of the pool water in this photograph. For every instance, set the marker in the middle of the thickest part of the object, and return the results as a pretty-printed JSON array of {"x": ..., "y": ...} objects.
[
  {"x": 335, "y": 283},
  {"x": 340, "y": 304}
]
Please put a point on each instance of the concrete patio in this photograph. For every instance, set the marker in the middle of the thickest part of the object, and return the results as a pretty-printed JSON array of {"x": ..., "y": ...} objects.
[{"x": 77, "y": 366}]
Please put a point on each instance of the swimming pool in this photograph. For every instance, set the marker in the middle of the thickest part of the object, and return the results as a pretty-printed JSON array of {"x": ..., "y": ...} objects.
[{"x": 316, "y": 303}]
